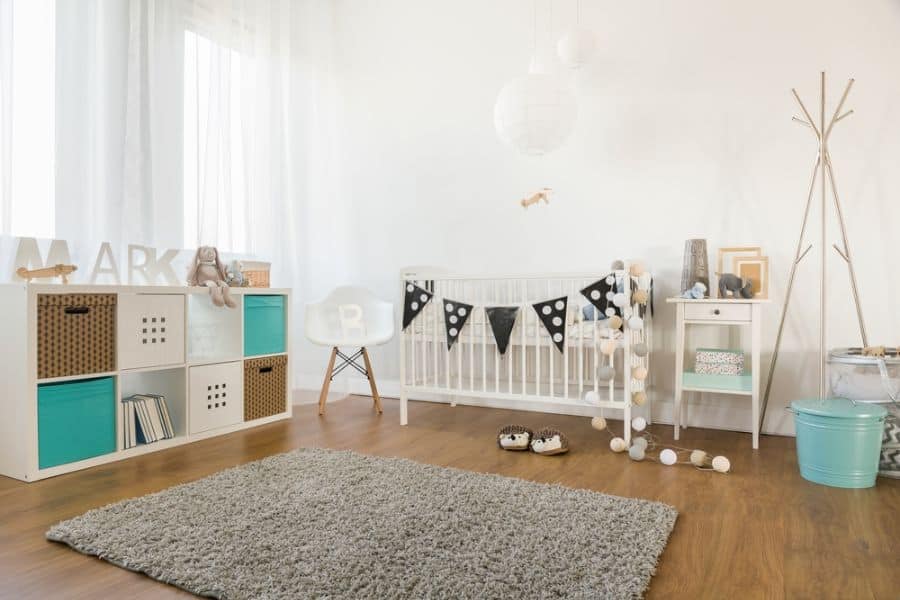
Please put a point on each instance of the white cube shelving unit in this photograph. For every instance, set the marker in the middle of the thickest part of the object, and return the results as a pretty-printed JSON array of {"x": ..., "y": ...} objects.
[{"x": 170, "y": 341}]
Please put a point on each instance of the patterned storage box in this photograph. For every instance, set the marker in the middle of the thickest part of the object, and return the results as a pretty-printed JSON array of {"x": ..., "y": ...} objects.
[
  {"x": 76, "y": 334},
  {"x": 265, "y": 387},
  {"x": 711, "y": 361}
]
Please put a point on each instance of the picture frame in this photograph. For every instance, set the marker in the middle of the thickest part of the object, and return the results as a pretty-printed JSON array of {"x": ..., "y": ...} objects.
[
  {"x": 756, "y": 269},
  {"x": 727, "y": 256}
]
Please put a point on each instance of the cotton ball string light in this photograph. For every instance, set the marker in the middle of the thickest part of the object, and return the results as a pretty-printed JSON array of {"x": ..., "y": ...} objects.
[
  {"x": 636, "y": 323},
  {"x": 592, "y": 397},
  {"x": 639, "y": 423},
  {"x": 608, "y": 347},
  {"x": 636, "y": 269},
  {"x": 605, "y": 373},
  {"x": 614, "y": 322},
  {"x": 721, "y": 464},
  {"x": 576, "y": 48},
  {"x": 640, "y": 441},
  {"x": 640, "y": 349},
  {"x": 535, "y": 113},
  {"x": 698, "y": 458},
  {"x": 636, "y": 453},
  {"x": 616, "y": 265},
  {"x": 620, "y": 300},
  {"x": 639, "y": 398},
  {"x": 599, "y": 423},
  {"x": 668, "y": 457},
  {"x": 640, "y": 296},
  {"x": 639, "y": 373},
  {"x": 617, "y": 444}
]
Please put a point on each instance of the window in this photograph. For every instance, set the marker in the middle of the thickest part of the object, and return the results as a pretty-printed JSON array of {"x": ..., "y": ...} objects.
[
  {"x": 216, "y": 199},
  {"x": 27, "y": 118}
]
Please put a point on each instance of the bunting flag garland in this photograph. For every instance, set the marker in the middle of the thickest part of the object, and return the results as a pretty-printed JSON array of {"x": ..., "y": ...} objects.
[
  {"x": 502, "y": 320},
  {"x": 601, "y": 293},
  {"x": 552, "y": 314},
  {"x": 414, "y": 301},
  {"x": 455, "y": 316}
]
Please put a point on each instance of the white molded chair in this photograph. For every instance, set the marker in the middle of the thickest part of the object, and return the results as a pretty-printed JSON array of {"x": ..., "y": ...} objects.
[{"x": 350, "y": 317}]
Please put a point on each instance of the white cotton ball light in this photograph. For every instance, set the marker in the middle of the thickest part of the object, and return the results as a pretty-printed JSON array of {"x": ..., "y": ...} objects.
[
  {"x": 636, "y": 453},
  {"x": 636, "y": 323},
  {"x": 576, "y": 48},
  {"x": 641, "y": 442},
  {"x": 535, "y": 113},
  {"x": 698, "y": 458},
  {"x": 639, "y": 423},
  {"x": 668, "y": 457},
  {"x": 598, "y": 423},
  {"x": 617, "y": 444},
  {"x": 721, "y": 464},
  {"x": 592, "y": 397},
  {"x": 620, "y": 300},
  {"x": 605, "y": 373}
]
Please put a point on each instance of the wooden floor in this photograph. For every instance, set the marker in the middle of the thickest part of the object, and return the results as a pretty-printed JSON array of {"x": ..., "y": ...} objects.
[{"x": 759, "y": 532}]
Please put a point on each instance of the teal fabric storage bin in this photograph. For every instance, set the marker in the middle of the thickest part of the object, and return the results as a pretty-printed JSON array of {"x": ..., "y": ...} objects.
[
  {"x": 76, "y": 420},
  {"x": 838, "y": 442},
  {"x": 263, "y": 324}
]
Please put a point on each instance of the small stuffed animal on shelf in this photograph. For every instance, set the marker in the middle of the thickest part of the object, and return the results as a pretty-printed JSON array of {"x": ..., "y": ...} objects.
[
  {"x": 698, "y": 292},
  {"x": 514, "y": 437},
  {"x": 208, "y": 270},
  {"x": 738, "y": 286}
]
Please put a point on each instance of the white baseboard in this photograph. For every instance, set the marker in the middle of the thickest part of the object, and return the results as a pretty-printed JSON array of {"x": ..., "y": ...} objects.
[{"x": 702, "y": 412}]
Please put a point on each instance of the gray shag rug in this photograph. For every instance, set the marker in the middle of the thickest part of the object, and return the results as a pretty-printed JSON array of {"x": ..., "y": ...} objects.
[{"x": 324, "y": 523}]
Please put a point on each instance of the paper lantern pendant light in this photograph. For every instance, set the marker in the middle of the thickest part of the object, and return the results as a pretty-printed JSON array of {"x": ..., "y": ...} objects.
[
  {"x": 576, "y": 48},
  {"x": 535, "y": 113}
]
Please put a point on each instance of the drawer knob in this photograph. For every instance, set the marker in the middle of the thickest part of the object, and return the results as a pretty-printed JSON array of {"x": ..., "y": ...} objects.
[{"x": 716, "y": 311}]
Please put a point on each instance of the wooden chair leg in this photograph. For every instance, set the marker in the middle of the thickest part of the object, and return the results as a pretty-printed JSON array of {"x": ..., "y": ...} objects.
[
  {"x": 371, "y": 375},
  {"x": 323, "y": 395}
]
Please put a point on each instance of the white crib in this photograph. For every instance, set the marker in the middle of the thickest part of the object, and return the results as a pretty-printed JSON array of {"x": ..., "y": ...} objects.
[{"x": 533, "y": 374}]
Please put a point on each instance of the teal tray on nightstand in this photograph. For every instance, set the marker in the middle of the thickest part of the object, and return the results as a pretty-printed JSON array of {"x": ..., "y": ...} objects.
[{"x": 713, "y": 383}]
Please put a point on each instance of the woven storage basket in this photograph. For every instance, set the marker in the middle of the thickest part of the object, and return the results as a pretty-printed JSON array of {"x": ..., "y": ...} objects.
[
  {"x": 256, "y": 273},
  {"x": 76, "y": 334},
  {"x": 265, "y": 387}
]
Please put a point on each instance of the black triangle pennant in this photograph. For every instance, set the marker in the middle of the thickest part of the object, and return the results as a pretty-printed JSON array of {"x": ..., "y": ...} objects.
[
  {"x": 455, "y": 316},
  {"x": 414, "y": 301},
  {"x": 600, "y": 293},
  {"x": 553, "y": 315},
  {"x": 502, "y": 320}
]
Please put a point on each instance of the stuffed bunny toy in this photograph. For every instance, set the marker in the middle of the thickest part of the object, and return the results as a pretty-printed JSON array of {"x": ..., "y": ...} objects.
[{"x": 208, "y": 270}]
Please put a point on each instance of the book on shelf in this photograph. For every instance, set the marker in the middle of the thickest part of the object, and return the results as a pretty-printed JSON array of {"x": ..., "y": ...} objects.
[{"x": 145, "y": 420}]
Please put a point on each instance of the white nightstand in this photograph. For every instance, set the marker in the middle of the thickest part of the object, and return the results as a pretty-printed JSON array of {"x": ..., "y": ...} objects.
[{"x": 738, "y": 312}]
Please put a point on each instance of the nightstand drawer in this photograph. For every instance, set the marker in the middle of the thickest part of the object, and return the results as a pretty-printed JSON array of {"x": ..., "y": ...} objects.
[{"x": 720, "y": 311}]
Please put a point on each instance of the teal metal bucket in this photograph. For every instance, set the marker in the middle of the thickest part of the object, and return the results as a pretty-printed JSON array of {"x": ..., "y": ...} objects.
[{"x": 838, "y": 442}]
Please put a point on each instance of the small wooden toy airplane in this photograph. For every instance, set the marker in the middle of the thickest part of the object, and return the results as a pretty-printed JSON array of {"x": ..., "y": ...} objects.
[
  {"x": 59, "y": 270},
  {"x": 536, "y": 197}
]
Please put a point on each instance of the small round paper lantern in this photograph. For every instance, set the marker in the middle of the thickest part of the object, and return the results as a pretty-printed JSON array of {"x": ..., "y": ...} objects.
[
  {"x": 639, "y": 398},
  {"x": 640, "y": 349},
  {"x": 636, "y": 269},
  {"x": 605, "y": 373},
  {"x": 640, "y": 441},
  {"x": 636, "y": 453},
  {"x": 721, "y": 464},
  {"x": 668, "y": 457},
  {"x": 576, "y": 48},
  {"x": 636, "y": 323},
  {"x": 614, "y": 322},
  {"x": 608, "y": 347},
  {"x": 617, "y": 444},
  {"x": 698, "y": 458},
  {"x": 639, "y": 423},
  {"x": 592, "y": 397},
  {"x": 639, "y": 373},
  {"x": 620, "y": 299},
  {"x": 535, "y": 113},
  {"x": 598, "y": 423},
  {"x": 640, "y": 296}
]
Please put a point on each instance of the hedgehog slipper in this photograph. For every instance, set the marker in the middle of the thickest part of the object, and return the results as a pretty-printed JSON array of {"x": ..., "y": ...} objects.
[
  {"x": 514, "y": 437},
  {"x": 549, "y": 441}
]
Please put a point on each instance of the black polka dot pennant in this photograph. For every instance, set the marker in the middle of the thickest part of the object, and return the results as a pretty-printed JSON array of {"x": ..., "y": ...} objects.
[
  {"x": 553, "y": 315},
  {"x": 601, "y": 294},
  {"x": 455, "y": 316},
  {"x": 414, "y": 301},
  {"x": 502, "y": 320}
]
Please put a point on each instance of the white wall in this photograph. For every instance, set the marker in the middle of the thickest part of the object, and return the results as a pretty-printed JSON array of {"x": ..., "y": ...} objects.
[{"x": 684, "y": 131}]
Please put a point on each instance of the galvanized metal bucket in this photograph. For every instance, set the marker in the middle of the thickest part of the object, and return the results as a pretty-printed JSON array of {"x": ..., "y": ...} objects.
[
  {"x": 838, "y": 441},
  {"x": 872, "y": 379}
]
